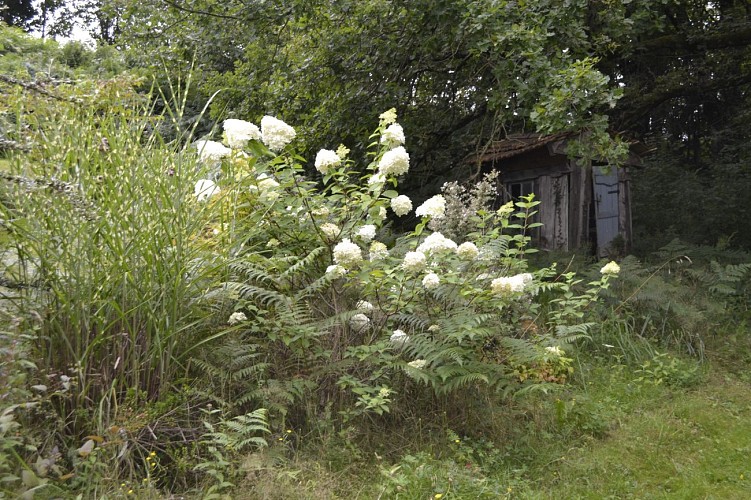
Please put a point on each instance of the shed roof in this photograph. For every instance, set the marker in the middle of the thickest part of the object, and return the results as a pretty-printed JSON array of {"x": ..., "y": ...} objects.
[{"x": 517, "y": 144}]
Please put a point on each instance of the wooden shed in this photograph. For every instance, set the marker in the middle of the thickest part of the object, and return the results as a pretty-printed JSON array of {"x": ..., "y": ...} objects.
[{"x": 583, "y": 204}]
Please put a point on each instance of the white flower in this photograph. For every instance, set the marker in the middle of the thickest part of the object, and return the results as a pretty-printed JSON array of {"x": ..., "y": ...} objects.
[
  {"x": 510, "y": 283},
  {"x": 367, "y": 232},
  {"x": 330, "y": 231},
  {"x": 436, "y": 242},
  {"x": 267, "y": 186},
  {"x": 434, "y": 328},
  {"x": 488, "y": 253},
  {"x": 276, "y": 133},
  {"x": 359, "y": 322},
  {"x": 506, "y": 209},
  {"x": 393, "y": 135},
  {"x": 401, "y": 205},
  {"x": 611, "y": 268},
  {"x": 376, "y": 179},
  {"x": 431, "y": 280},
  {"x": 205, "y": 189},
  {"x": 342, "y": 151},
  {"x": 418, "y": 364},
  {"x": 380, "y": 216},
  {"x": 399, "y": 338},
  {"x": 394, "y": 162},
  {"x": 364, "y": 305},
  {"x": 211, "y": 151},
  {"x": 266, "y": 183},
  {"x": 334, "y": 271},
  {"x": 468, "y": 251},
  {"x": 347, "y": 253},
  {"x": 378, "y": 251},
  {"x": 388, "y": 116},
  {"x": 556, "y": 351},
  {"x": 434, "y": 207},
  {"x": 322, "y": 211},
  {"x": 237, "y": 317},
  {"x": 414, "y": 261},
  {"x": 326, "y": 159},
  {"x": 237, "y": 133}
]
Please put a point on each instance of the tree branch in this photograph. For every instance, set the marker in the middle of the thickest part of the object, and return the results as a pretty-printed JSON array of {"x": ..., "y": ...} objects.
[
  {"x": 35, "y": 87},
  {"x": 723, "y": 37},
  {"x": 677, "y": 84}
]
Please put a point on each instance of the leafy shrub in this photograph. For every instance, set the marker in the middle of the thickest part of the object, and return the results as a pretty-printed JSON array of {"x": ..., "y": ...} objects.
[{"x": 323, "y": 301}]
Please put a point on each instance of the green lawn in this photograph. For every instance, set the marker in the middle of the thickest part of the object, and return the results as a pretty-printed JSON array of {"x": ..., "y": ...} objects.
[
  {"x": 612, "y": 436},
  {"x": 685, "y": 444}
]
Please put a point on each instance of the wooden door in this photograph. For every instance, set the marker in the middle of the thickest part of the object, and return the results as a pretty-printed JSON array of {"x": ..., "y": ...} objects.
[{"x": 606, "y": 207}]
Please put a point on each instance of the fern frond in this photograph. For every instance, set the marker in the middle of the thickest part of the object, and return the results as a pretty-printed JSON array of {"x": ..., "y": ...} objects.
[
  {"x": 304, "y": 263},
  {"x": 265, "y": 296}
]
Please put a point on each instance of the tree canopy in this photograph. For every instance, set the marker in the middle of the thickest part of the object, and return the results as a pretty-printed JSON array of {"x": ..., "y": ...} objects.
[
  {"x": 462, "y": 73},
  {"x": 459, "y": 72},
  {"x": 17, "y": 12}
]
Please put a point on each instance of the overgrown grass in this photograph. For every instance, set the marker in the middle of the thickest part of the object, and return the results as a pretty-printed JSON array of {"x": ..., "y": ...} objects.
[{"x": 614, "y": 433}]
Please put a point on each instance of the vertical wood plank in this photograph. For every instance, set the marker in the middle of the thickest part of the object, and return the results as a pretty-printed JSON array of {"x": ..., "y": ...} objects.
[
  {"x": 560, "y": 227},
  {"x": 547, "y": 212}
]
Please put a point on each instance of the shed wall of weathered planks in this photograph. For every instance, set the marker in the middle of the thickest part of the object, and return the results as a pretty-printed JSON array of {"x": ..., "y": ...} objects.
[{"x": 565, "y": 188}]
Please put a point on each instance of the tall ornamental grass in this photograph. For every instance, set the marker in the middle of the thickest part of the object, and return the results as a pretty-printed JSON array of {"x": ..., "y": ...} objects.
[{"x": 108, "y": 238}]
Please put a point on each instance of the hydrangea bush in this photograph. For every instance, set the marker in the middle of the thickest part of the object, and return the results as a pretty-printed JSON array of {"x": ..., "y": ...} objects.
[{"x": 338, "y": 306}]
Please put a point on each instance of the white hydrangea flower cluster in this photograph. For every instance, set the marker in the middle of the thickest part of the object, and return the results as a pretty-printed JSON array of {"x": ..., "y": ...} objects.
[
  {"x": 266, "y": 186},
  {"x": 378, "y": 251},
  {"x": 322, "y": 211},
  {"x": 393, "y": 135},
  {"x": 507, "y": 284},
  {"x": 330, "y": 231},
  {"x": 266, "y": 183},
  {"x": 275, "y": 133},
  {"x": 237, "y": 133},
  {"x": 364, "y": 306},
  {"x": 414, "y": 262},
  {"x": 335, "y": 271},
  {"x": 434, "y": 207},
  {"x": 381, "y": 215},
  {"x": 611, "y": 268},
  {"x": 399, "y": 338},
  {"x": 326, "y": 160},
  {"x": 236, "y": 318},
  {"x": 205, "y": 189},
  {"x": 359, "y": 322},
  {"x": 367, "y": 232},
  {"x": 211, "y": 152},
  {"x": 468, "y": 251},
  {"x": 418, "y": 364},
  {"x": 436, "y": 242},
  {"x": 401, "y": 205},
  {"x": 430, "y": 281},
  {"x": 347, "y": 253},
  {"x": 506, "y": 209},
  {"x": 394, "y": 162},
  {"x": 376, "y": 179},
  {"x": 555, "y": 351},
  {"x": 342, "y": 151},
  {"x": 388, "y": 117}
]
